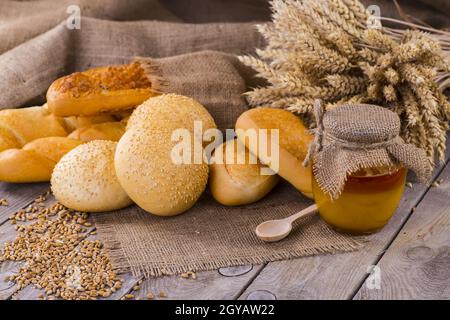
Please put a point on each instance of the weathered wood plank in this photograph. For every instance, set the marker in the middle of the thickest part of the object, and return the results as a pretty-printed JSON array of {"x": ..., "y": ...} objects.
[
  {"x": 337, "y": 276},
  {"x": 32, "y": 293},
  {"x": 18, "y": 196},
  {"x": 225, "y": 283},
  {"x": 7, "y": 288},
  {"x": 7, "y": 268},
  {"x": 417, "y": 264}
]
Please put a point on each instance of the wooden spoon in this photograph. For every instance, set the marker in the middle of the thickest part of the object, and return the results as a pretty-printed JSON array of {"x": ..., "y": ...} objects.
[{"x": 276, "y": 230}]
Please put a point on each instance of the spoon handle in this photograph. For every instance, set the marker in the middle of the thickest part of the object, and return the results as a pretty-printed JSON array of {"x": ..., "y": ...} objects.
[{"x": 304, "y": 213}]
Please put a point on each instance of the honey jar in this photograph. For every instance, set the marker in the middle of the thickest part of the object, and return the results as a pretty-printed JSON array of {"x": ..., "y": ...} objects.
[
  {"x": 359, "y": 165},
  {"x": 367, "y": 202}
]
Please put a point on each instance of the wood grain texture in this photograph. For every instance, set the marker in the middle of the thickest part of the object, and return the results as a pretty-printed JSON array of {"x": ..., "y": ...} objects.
[
  {"x": 7, "y": 288},
  {"x": 32, "y": 293},
  {"x": 18, "y": 196},
  {"x": 208, "y": 285},
  {"x": 235, "y": 271},
  {"x": 336, "y": 276},
  {"x": 7, "y": 268},
  {"x": 417, "y": 264}
]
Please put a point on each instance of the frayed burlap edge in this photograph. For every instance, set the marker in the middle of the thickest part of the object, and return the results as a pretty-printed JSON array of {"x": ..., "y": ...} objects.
[
  {"x": 154, "y": 73},
  {"x": 122, "y": 265}
]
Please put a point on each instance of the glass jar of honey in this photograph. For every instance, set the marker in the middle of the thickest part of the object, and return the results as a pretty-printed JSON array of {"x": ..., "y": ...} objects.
[
  {"x": 367, "y": 202},
  {"x": 359, "y": 166}
]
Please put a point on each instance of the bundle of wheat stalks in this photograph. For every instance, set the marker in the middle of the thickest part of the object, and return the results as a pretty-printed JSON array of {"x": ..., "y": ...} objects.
[{"x": 334, "y": 50}]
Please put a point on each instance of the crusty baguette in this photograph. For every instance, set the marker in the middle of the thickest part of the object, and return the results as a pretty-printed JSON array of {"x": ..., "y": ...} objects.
[
  {"x": 101, "y": 131},
  {"x": 105, "y": 89},
  {"x": 8, "y": 140},
  {"x": 22, "y": 125},
  {"x": 35, "y": 161}
]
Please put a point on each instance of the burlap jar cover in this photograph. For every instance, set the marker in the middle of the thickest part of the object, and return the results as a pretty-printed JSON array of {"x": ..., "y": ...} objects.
[{"x": 352, "y": 137}]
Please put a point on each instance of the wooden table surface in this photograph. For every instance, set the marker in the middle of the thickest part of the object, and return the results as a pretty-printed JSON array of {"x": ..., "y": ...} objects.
[{"x": 411, "y": 256}]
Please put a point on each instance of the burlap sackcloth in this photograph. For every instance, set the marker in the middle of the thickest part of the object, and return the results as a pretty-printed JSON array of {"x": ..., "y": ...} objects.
[
  {"x": 210, "y": 236},
  {"x": 22, "y": 20},
  {"x": 37, "y": 49}
]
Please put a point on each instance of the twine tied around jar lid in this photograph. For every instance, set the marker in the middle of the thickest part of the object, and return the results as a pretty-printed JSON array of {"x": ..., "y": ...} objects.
[{"x": 353, "y": 137}]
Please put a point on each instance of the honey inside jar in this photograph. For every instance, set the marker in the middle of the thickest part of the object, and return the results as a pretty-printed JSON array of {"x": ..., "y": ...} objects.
[{"x": 369, "y": 199}]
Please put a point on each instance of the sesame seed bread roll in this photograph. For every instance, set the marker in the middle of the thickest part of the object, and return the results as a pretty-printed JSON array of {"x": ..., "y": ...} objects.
[
  {"x": 85, "y": 179},
  {"x": 105, "y": 89},
  {"x": 143, "y": 160},
  {"x": 180, "y": 110},
  {"x": 234, "y": 184},
  {"x": 150, "y": 177},
  {"x": 294, "y": 140}
]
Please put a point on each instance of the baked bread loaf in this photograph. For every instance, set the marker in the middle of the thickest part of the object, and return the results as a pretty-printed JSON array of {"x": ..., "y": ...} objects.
[
  {"x": 102, "y": 131},
  {"x": 182, "y": 111},
  {"x": 35, "y": 161},
  {"x": 85, "y": 179},
  {"x": 294, "y": 140},
  {"x": 73, "y": 123},
  {"x": 150, "y": 177},
  {"x": 234, "y": 184},
  {"x": 156, "y": 181},
  {"x": 105, "y": 89},
  {"x": 22, "y": 125}
]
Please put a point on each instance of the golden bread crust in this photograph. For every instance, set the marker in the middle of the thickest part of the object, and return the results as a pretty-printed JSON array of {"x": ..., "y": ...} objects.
[
  {"x": 104, "y": 89},
  {"x": 35, "y": 161},
  {"x": 143, "y": 159},
  {"x": 102, "y": 131},
  {"x": 294, "y": 140},
  {"x": 28, "y": 124},
  {"x": 235, "y": 184},
  {"x": 85, "y": 179}
]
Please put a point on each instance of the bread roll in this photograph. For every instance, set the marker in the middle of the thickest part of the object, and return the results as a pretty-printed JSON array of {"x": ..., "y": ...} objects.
[
  {"x": 294, "y": 140},
  {"x": 148, "y": 175},
  {"x": 105, "y": 89},
  {"x": 8, "y": 140},
  {"x": 35, "y": 161},
  {"x": 234, "y": 184},
  {"x": 181, "y": 111},
  {"x": 143, "y": 159},
  {"x": 85, "y": 179},
  {"x": 73, "y": 123},
  {"x": 22, "y": 125},
  {"x": 101, "y": 131}
]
